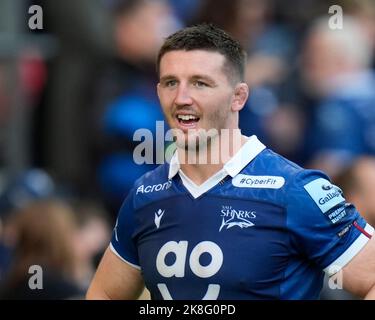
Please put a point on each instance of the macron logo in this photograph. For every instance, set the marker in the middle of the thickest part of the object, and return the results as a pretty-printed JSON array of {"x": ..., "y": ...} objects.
[{"x": 158, "y": 216}]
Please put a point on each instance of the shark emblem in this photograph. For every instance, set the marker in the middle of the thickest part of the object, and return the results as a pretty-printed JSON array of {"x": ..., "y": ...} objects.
[{"x": 239, "y": 218}]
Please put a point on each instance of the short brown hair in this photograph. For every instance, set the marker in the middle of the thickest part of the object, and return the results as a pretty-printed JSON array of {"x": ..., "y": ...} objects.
[{"x": 211, "y": 38}]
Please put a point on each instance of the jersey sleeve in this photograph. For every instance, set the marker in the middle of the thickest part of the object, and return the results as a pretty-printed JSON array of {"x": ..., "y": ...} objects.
[
  {"x": 122, "y": 243},
  {"x": 324, "y": 227}
]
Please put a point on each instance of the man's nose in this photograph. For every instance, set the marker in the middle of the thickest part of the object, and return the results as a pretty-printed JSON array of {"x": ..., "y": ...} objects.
[{"x": 183, "y": 96}]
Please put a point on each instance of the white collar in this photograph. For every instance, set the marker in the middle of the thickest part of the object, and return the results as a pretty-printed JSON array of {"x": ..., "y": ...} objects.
[{"x": 233, "y": 167}]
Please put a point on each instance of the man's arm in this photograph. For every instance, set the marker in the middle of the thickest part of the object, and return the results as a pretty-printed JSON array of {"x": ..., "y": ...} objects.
[
  {"x": 115, "y": 279},
  {"x": 359, "y": 274}
]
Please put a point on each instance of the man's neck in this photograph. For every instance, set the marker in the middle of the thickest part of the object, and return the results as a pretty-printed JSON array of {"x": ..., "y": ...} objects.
[{"x": 200, "y": 166}]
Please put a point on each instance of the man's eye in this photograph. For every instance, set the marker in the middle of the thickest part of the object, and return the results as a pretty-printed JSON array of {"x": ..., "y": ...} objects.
[
  {"x": 170, "y": 83},
  {"x": 200, "y": 84}
]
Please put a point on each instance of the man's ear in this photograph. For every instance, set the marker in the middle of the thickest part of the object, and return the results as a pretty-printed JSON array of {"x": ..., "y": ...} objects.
[{"x": 241, "y": 93}]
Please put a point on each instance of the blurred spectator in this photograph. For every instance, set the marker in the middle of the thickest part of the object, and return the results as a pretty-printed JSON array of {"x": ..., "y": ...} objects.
[
  {"x": 124, "y": 98},
  {"x": 336, "y": 69},
  {"x": 16, "y": 193},
  {"x": 88, "y": 235},
  {"x": 24, "y": 188},
  {"x": 132, "y": 18},
  {"x": 42, "y": 234},
  {"x": 90, "y": 240},
  {"x": 81, "y": 30},
  {"x": 185, "y": 9},
  {"x": 271, "y": 46},
  {"x": 364, "y": 12},
  {"x": 3, "y": 97},
  {"x": 358, "y": 183}
]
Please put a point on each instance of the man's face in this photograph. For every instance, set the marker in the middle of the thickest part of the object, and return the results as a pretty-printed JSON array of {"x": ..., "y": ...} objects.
[
  {"x": 321, "y": 63},
  {"x": 195, "y": 93},
  {"x": 155, "y": 17}
]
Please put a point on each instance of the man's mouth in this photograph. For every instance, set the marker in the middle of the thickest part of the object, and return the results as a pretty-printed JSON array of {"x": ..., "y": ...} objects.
[{"x": 187, "y": 121}]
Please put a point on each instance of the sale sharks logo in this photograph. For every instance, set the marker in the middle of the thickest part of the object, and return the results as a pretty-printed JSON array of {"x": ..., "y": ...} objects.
[{"x": 235, "y": 217}]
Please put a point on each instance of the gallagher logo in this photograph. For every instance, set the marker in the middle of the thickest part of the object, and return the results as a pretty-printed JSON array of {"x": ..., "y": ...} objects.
[
  {"x": 324, "y": 193},
  {"x": 232, "y": 217},
  {"x": 327, "y": 187},
  {"x": 332, "y": 192}
]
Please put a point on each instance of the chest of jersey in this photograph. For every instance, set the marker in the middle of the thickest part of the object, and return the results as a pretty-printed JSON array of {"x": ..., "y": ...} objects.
[{"x": 213, "y": 247}]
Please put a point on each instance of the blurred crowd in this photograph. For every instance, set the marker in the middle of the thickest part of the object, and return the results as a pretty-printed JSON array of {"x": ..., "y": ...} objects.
[{"x": 73, "y": 93}]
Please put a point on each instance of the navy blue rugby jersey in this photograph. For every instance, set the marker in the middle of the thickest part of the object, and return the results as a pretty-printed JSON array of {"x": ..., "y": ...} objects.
[{"x": 261, "y": 228}]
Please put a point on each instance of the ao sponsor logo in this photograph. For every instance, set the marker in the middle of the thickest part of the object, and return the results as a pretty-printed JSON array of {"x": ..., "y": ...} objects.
[
  {"x": 234, "y": 217},
  {"x": 154, "y": 187},
  {"x": 177, "y": 269}
]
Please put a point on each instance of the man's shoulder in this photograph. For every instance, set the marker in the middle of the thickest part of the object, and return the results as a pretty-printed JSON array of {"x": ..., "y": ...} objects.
[
  {"x": 268, "y": 178},
  {"x": 159, "y": 175},
  {"x": 152, "y": 186},
  {"x": 301, "y": 182},
  {"x": 270, "y": 163}
]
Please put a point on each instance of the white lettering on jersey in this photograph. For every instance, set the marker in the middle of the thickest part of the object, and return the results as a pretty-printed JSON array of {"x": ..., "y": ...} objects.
[
  {"x": 177, "y": 269},
  {"x": 212, "y": 292},
  {"x": 216, "y": 259},
  {"x": 236, "y": 217},
  {"x": 154, "y": 187},
  {"x": 266, "y": 182},
  {"x": 324, "y": 194}
]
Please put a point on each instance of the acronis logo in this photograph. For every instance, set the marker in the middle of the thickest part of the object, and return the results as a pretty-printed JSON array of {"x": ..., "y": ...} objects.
[{"x": 234, "y": 217}]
